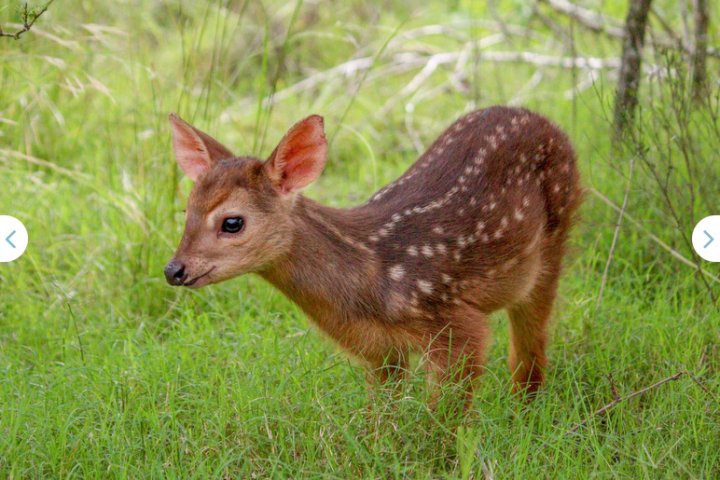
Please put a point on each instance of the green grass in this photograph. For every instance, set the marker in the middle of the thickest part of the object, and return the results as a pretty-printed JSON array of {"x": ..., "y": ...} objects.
[{"x": 105, "y": 371}]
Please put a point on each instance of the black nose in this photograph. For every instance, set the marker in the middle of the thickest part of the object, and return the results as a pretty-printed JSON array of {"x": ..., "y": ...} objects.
[{"x": 175, "y": 272}]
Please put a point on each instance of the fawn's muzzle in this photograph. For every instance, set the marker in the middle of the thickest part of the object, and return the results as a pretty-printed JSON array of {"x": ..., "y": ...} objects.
[{"x": 175, "y": 273}]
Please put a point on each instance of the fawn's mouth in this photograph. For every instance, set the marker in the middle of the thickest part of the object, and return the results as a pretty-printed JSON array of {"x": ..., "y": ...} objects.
[{"x": 193, "y": 281}]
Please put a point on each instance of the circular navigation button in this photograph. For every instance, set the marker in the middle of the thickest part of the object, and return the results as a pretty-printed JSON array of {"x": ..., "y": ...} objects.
[
  {"x": 13, "y": 238},
  {"x": 706, "y": 238}
]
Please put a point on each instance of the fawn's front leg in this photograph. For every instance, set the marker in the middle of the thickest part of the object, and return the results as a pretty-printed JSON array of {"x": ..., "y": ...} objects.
[
  {"x": 391, "y": 367},
  {"x": 386, "y": 371},
  {"x": 456, "y": 353}
]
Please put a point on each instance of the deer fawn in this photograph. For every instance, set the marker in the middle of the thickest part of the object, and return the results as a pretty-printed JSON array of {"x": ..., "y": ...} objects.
[{"x": 477, "y": 224}]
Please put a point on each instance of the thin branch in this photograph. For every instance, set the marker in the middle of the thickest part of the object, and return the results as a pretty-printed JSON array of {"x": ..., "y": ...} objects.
[
  {"x": 599, "y": 23},
  {"x": 28, "y": 20},
  {"x": 672, "y": 36},
  {"x": 613, "y": 387},
  {"x": 702, "y": 386},
  {"x": 406, "y": 61},
  {"x": 618, "y": 400},
  {"x": 616, "y": 234},
  {"x": 679, "y": 256},
  {"x": 587, "y": 18}
]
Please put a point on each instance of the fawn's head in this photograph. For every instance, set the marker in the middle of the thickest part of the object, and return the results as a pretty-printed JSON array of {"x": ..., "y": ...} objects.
[{"x": 239, "y": 217}]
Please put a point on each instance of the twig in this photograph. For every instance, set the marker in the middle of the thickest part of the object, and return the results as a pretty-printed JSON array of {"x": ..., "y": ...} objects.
[
  {"x": 613, "y": 387},
  {"x": 618, "y": 400},
  {"x": 406, "y": 61},
  {"x": 616, "y": 234},
  {"x": 27, "y": 22},
  {"x": 701, "y": 385},
  {"x": 600, "y": 23},
  {"x": 591, "y": 20},
  {"x": 668, "y": 29},
  {"x": 679, "y": 256}
]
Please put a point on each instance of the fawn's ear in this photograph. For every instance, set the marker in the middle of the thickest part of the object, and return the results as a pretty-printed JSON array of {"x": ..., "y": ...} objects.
[
  {"x": 300, "y": 156},
  {"x": 195, "y": 151}
]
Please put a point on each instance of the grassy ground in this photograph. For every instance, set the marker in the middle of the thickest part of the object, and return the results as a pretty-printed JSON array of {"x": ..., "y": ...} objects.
[{"x": 105, "y": 371}]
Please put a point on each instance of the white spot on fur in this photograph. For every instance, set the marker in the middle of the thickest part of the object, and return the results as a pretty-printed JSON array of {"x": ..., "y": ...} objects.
[
  {"x": 440, "y": 247},
  {"x": 439, "y": 230},
  {"x": 446, "y": 279},
  {"x": 427, "y": 250},
  {"x": 412, "y": 251},
  {"x": 374, "y": 238},
  {"x": 397, "y": 272},
  {"x": 425, "y": 286},
  {"x": 519, "y": 215},
  {"x": 493, "y": 141}
]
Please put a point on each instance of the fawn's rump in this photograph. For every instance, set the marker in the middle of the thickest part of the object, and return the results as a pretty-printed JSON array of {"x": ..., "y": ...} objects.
[
  {"x": 489, "y": 200},
  {"x": 478, "y": 223}
]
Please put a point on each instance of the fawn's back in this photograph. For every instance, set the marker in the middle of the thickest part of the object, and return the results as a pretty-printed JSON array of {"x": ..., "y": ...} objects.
[{"x": 478, "y": 212}]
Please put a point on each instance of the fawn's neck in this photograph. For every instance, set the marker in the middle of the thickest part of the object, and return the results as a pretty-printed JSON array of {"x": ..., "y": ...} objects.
[{"x": 329, "y": 271}]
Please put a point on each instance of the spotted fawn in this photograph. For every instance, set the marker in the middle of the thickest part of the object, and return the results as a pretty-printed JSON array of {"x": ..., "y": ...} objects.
[{"x": 479, "y": 223}]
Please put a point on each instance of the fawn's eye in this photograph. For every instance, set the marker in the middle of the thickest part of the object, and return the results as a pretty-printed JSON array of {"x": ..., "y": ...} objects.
[{"x": 232, "y": 224}]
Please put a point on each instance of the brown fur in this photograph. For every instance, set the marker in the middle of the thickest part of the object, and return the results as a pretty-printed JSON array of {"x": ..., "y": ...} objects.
[{"x": 478, "y": 223}]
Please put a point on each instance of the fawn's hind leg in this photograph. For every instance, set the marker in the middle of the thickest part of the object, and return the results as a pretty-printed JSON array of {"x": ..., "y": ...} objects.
[{"x": 529, "y": 321}]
